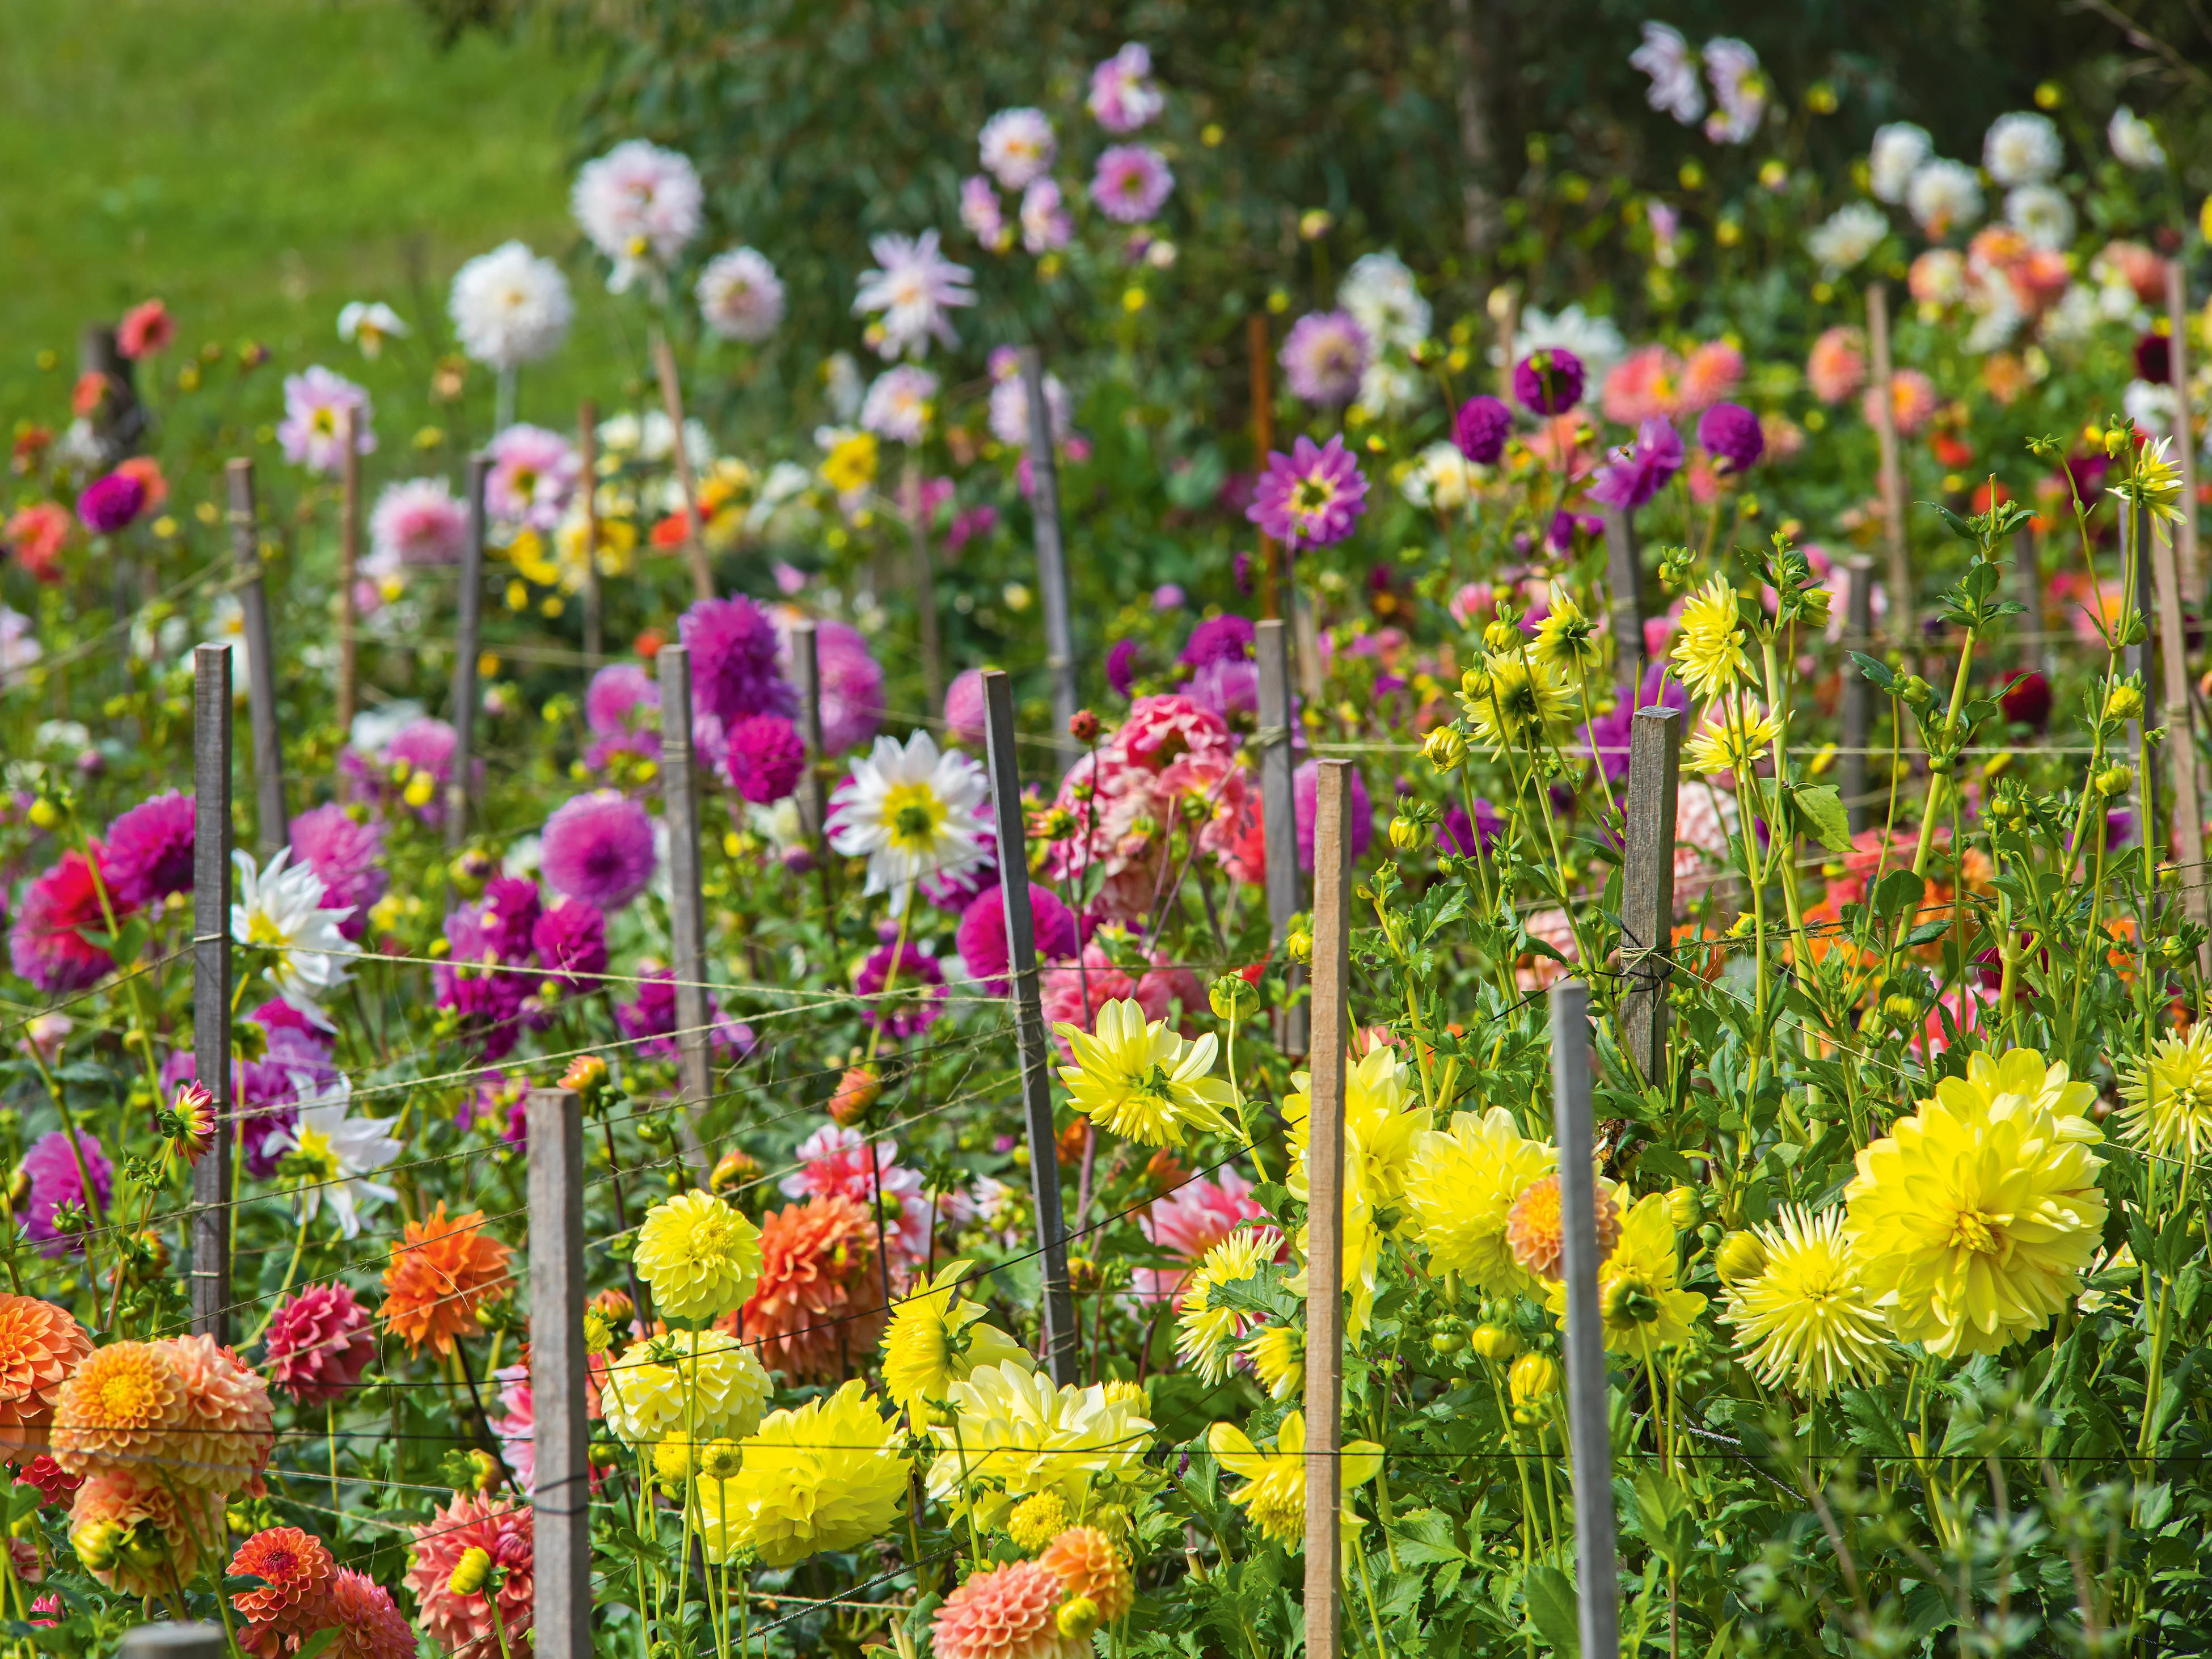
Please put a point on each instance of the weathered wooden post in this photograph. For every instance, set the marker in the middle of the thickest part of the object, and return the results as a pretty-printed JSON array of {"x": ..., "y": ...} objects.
[
  {"x": 672, "y": 400},
  {"x": 1647, "y": 890},
  {"x": 460, "y": 789},
  {"x": 349, "y": 563},
  {"x": 2185, "y": 427},
  {"x": 2139, "y": 660},
  {"x": 587, "y": 453},
  {"x": 1030, "y": 1038},
  {"x": 118, "y": 420},
  {"x": 1597, "y": 1583},
  {"x": 2187, "y": 851},
  {"x": 1624, "y": 574},
  {"x": 1278, "y": 816},
  {"x": 1331, "y": 974},
  {"x": 211, "y": 1228},
  {"x": 2035, "y": 652},
  {"x": 271, "y": 827},
  {"x": 687, "y": 919},
  {"x": 1904, "y": 601},
  {"x": 561, "y": 1612},
  {"x": 1856, "y": 696},
  {"x": 807, "y": 676},
  {"x": 1051, "y": 555}
]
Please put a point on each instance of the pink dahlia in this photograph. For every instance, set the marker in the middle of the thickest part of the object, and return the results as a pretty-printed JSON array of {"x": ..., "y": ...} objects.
[
  {"x": 1132, "y": 183},
  {"x": 533, "y": 475},
  {"x": 1640, "y": 470},
  {"x": 313, "y": 402},
  {"x": 1312, "y": 497},
  {"x": 1709, "y": 375},
  {"x": 733, "y": 660},
  {"x": 1160, "y": 730},
  {"x": 149, "y": 852},
  {"x": 570, "y": 939},
  {"x": 910, "y": 988},
  {"x": 852, "y": 686},
  {"x": 598, "y": 848},
  {"x": 146, "y": 328},
  {"x": 1837, "y": 367},
  {"x": 1190, "y": 1221},
  {"x": 980, "y": 938},
  {"x": 1123, "y": 97},
  {"x": 1005, "y": 1612},
  {"x": 834, "y": 1163},
  {"x": 763, "y": 758},
  {"x": 58, "y": 1181},
  {"x": 319, "y": 1343},
  {"x": 517, "y": 1431},
  {"x": 503, "y": 1530},
  {"x": 292, "y": 1602},
  {"x": 963, "y": 709},
  {"x": 621, "y": 699},
  {"x": 1305, "y": 797},
  {"x": 233, "y": 1430},
  {"x": 1074, "y": 995},
  {"x": 1548, "y": 381},
  {"x": 1644, "y": 386},
  {"x": 1481, "y": 428},
  {"x": 1323, "y": 357},
  {"x": 110, "y": 503},
  {"x": 369, "y": 1624},
  {"x": 342, "y": 852},
  {"x": 47, "y": 944},
  {"x": 418, "y": 522}
]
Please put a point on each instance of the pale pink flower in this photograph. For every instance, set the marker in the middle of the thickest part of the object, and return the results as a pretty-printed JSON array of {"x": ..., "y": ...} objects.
[{"x": 1190, "y": 1221}]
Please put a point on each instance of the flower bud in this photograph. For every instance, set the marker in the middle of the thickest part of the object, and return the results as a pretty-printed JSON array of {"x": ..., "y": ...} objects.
[
  {"x": 2123, "y": 702},
  {"x": 470, "y": 1570},
  {"x": 1406, "y": 834},
  {"x": 45, "y": 814},
  {"x": 1445, "y": 748},
  {"x": 585, "y": 1073},
  {"x": 1534, "y": 1378},
  {"x": 1232, "y": 996},
  {"x": 1741, "y": 1256},
  {"x": 1916, "y": 690},
  {"x": 97, "y": 1544},
  {"x": 1500, "y": 635},
  {"x": 1900, "y": 1009},
  {"x": 1684, "y": 1206},
  {"x": 858, "y": 1091},
  {"x": 1495, "y": 1343},
  {"x": 733, "y": 1169},
  {"x": 484, "y": 1470},
  {"x": 1084, "y": 1277},
  {"x": 1298, "y": 945},
  {"x": 1474, "y": 684},
  {"x": 1083, "y": 726},
  {"x": 1078, "y": 1618},
  {"x": 2114, "y": 780}
]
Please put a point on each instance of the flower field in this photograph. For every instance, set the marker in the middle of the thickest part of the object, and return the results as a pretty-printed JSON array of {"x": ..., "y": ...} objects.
[{"x": 1498, "y": 968}]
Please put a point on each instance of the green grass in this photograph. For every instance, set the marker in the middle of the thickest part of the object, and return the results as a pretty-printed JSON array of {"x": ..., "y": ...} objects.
[{"x": 257, "y": 164}]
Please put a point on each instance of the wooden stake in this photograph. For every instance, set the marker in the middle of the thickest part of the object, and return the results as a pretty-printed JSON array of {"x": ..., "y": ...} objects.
[
  {"x": 1052, "y": 559},
  {"x": 2188, "y": 843},
  {"x": 1259, "y": 346},
  {"x": 1058, "y": 1315},
  {"x": 687, "y": 917},
  {"x": 349, "y": 562},
  {"x": 2185, "y": 427},
  {"x": 271, "y": 828},
  {"x": 1331, "y": 974},
  {"x": 118, "y": 421},
  {"x": 587, "y": 450},
  {"x": 672, "y": 400},
  {"x": 912, "y": 494},
  {"x": 1279, "y": 815},
  {"x": 561, "y": 1612},
  {"x": 1856, "y": 696},
  {"x": 210, "y": 1220},
  {"x": 1647, "y": 902},
  {"x": 1505, "y": 312},
  {"x": 806, "y": 675},
  {"x": 1597, "y": 1583},
  {"x": 2027, "y": 588},
  {"x": 460, "y": 787},
  {"x": 1903, "y": 600},
  {"x": 1625, "y": 576},
  {"x": 171, "y": 1641},
  {"x": 2139, "y": 660}
]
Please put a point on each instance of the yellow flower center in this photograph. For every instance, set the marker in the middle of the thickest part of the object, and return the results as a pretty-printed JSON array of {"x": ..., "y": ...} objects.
[
  {"x": 262, "y": 929},
  {"x": 1973, "y": 1231},
  {"x": 124, "y": 1398},
  {"x": 315, "y": 1151},
  {"x": 324, "y": 422},
  {"x": 914, "y": 812},
  {"x": 1312, "y": 496}
]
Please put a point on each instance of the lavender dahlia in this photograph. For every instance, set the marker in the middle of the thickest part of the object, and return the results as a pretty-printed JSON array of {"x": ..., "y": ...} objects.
[
  {"x": 982, "y": 215},
  {"x": 1640, "y": 470},
  {"x": 1481, "y": 428},
  {"x": 314, "y": 404},
  {"x": 420, "y": 521},
  {"x": 57, "y": 1172},
  {"x": 570, "y": 939},
  {"x": 534, "y": 472},
  {"x": 1218, "y": 639},
  {"x": 598, "y": 848},
  {"x": 1132, "y": 183},
  {"x": 913, "y": 287},
  {"x": 1017, "y": 146},
  {"x": 1548, "y": 381},
  {"x": 1122, "y": 96},
  {"x": 740, "y": 296},
  {"x": 1323, "y": 357},
  {"x": 1311, "y": 497},
  {"x": 1045, "y": 223},
  {"x": 732, "y": 644}
]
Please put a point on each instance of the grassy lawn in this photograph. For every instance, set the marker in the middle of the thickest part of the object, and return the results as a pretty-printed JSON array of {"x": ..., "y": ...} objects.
[{"x": 257, "y": 164}]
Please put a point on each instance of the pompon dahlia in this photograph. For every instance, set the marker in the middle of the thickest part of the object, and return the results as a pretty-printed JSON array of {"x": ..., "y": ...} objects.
[
  {"x": 39, "y": 1345},
  {"x": 701, "y": 1256},
  {"x": 818, "y": 1288},
  {"x": 140, "y": 1535},
  {"x": 503, "y": 1530},
  {"x": 1089, "y": 1564},
  {"x": 47, "y": 945},
  {"x": 570, "y": 939},
  {"x": 448, "y": 1268},
  {"x": 124, "y": 1407},
  {"x": 1005, "y": 1613},
  {"x": 1534, "y": 1233},
  {"x": 295, "y": 1570},
  {"x": 826, "y": 1476},
  {"x": 733, "y": 663},
  {"x": 46, "y": 1475},
  {"x": 319, "y": 1342},
  {"x": 149, "y": 852},
  {"x": 599, "y": 849},
  {"x": 765, "y": 758},
  {"x": 708, "y": 1379},
  {"x": 369, "y": 1624},
  {"x": 227, "y": 1411}
]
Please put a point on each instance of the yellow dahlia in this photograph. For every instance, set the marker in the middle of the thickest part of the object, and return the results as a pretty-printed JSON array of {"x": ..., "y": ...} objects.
[
  {"x": 1644, "y": 1308},
  {"x": 227, "y": 1411},
  {"x": 1136, "y": 1078},
  {"x": 1381, "y": 1117},
  {"x": 1710, "y": 654},
  {"x": 2167, "y": 1096},
  {"x": 1738, "y": 733},
  {"x": 1036, "y": 1522},
  {"x": 699, "y": 1385},
  {"x": 1460, "y": 1188},
  {"x": 700, "y": 1254},
  {"x": 1278, "y": 1356},
  {"x": 1018, "y": 1435},
  {"x": 1206, "y": 1333},
  {"x": 122, "y": 1409},
  {"x": 1520, "y": 704},
  {"x": 1274, "y": 1490},
  {"x": 1973, "y": 1220},
  {"x": 935, "y": 1339},
  {"x": 141, "y": 1534},
  {"x": 827, "y": 1476},
  {"x": 1567, "y": 639},
  {"x": 39, "y": 1345},
  {"x": 1804, "y": 1319}
]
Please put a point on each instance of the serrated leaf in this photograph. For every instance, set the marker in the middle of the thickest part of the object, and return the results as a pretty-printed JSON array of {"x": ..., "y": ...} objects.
[
  {"x": 1822, "y": 807},
  {"x": 1878, "y": 672},
  {"x": 1549, "y": 1597}
]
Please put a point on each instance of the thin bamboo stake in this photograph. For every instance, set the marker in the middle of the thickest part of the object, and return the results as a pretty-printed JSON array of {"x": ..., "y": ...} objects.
[
  {"x": 1856, "y": 696},
  {"x": 2185, "y": 427},
  {"x": 271, "y": 827},
  {"x": 2138, "y": 660},
  {"x": 1279, "y": 815},
  {"x": 1903, "y": 600},
  {"x": 349, "y": 563},
  {"x": 1324, "y": 1388},
  {"x": 687, "y": 913},
  {"x": 1647, "y": 902},
  {"x": 1597, "y": 1584},
  {"x": 1057, "y": 1314},
  {"x": 560, "y": 1501},
  {"x": 1505, "y": 306},
  {"x": 2027, "y": 589},
  {"x": 1259, "y": 346},
  {"x": 210, "y": 1218},
  {"x": 587, "y": 450},
  {"x": 460, "y": 787},
  {"x": 672, "y": 400},
  {"x": 1051, "y": 552}
]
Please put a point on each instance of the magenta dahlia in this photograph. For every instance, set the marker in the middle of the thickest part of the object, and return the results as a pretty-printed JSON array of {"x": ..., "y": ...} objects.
[
  {"x": 733, "y": 660},
  {"x": 1312, "y": 497},
  {"x": 149, "y": 852},
  {"x": 319, "y": 1342},
  {"x": 598, "y": 848}
]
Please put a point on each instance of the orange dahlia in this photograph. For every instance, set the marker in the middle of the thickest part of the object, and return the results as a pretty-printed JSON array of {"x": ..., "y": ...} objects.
[
  {"x": 39, "y": 1345},
  {"x": 503, "y": 1530},
  {"x": 1533, "y": 1231},
  {"x": 140, "y": 1536},
  {"x": 818, "y": 1297},
  {"x": 123, "y": 1407},
  {"x": 227, "y": 1411},
  {"x": 368, "y": 1625},
  {"x": 446, "y": 1270},
  {"x": 1087, "y": 1563},
  {"x": 296, "y": 1570}
]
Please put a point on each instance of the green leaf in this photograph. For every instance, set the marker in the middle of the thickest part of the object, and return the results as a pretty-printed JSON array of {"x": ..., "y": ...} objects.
[
  {"x": 1878, "y": 672},
  {"x": 1957, "y": 526},
  {"x": 1549, "y": 1596},
  {"x": 314, "y": 1644},
  {"x": 1425, "y": 1537},
  {"x": 1927, "y": 933},
  {"x": 1894, "y": 892},
  {"x": 1822, "y": 807}
]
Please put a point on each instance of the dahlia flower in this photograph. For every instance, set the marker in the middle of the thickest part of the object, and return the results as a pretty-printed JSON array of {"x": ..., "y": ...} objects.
[
  {"x": 368, "y": 324},
  {"x": 318, "y": 1344},
  {"x": 504, "y": 1530},
  {"x": 705, "y": 1384},
  {"x": 117, "y": 1513},
  {"x": 1641, "y": 470},
  {"x": 1481, "y": 428},
  {"x": 1943, "y": 196},
  {"x": 1549, "y": 380},
  {"x": 641, "y": 205},
  {"x": 1460, "y": 1185},
  {"x": 534, "y": 471},
  {"x": 1017, "y": 145},
  {"x": 125, "y": 1406},
  {"x": 897, "y": 404},
  {"x": 1047, "y": 224},
  {"x": 1805, "y": 1320},
  {"x": 1122, "y": 96},
  {"x": 913, "y": 287},
  {"x": 445, "y": 1271},
  {"x": 936, "y": 1339},
  {"x": 1665, "y": 57},
  {"x": 740, "y": 296},
  {"x": 40, "y": 1345},
  {"x": 296, "y": 1569},
  {"x": 819, "y": 1291},
  {"x": 1381, "y": 1117},
  {"x": 569, "y": 939},
  {"x": 1898, "y": 150},
  {"x": 700, "y": 1256},
  {"x": 1131, "y": 183},
  {"x": 1019, "y": 1436},
  {"x": 47, "y": 945},
  {"x": 1731, "y": 435},
  {"x": 1137, "y": 1079},
  {"x": 145, "y": 330},
  {"x": 980, "y": 938},
  {"x": 1187, "y": 1222},
  {"x": 1091, "y": 1564},
  {"x": 1275, "y": 1490},
  {"x": 2022, "y": 148},
  {"x": 334, "y": 1153},
  {"x": 368, "y": 1625},
  {"x": 279, "y": 909},
  {"x": 599, "y": 849},
  {"x": 2166, "y": 1096},
  {"x": 343, "y": 851},
  {"x": 2134, "y": 141},
  {"x": 109, "y": 504},
  {"x": 58, "y": 1166},
  {"x": 1739, "y": 90},
  {"x": 1010, "y": 1611},
  {"x": 734, "y": 671},
  {"x": 1385, "y": 301},
  {"x": 1206, "y": 1335},
  {"x": 1009, "y": 411},
  {"x": 1644, "y": 1308},
  {"x": 1710, "y": 653},
  {"x": 1311, "y": 497},
  {"x": 903, "y": 990},
  {"x": 229, "y": 1428},
  {"x": 1324, "y": 355},
  {"x": 982, "y": 215},
  {"x": 851, "y": 685},
  {"x": 827, "y": 1476},
  {"x": 510, "y": 307},
  {"x": 911, "y": 811},
  {"x": 314, "y": 404},
  {"x": 835, "y": 1162}
]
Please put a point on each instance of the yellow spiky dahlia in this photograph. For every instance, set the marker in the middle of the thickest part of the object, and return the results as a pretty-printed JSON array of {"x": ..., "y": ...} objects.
[
  {"x": 1644, "y": 1308},
  {"x": 1274, "y": 1490},
  {"x": 1017, "y": 1434},
  {"x": 1804, "y": 1319}
]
